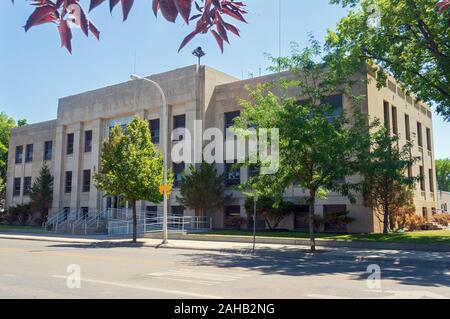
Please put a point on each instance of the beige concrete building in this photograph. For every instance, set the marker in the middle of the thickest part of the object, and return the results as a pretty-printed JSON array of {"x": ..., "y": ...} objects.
[{"x": 71, "y": 144}]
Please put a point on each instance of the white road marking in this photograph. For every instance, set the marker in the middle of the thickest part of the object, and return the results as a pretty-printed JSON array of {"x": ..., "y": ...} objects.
[
  {"x": 167, "y": 291},
  {"x": 202, "y": 278}
]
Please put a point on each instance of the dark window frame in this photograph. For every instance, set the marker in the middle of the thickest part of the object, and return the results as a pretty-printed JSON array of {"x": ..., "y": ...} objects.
[
  {"x": 68, "y": 182},
  {"x": 48, "y": 150},
  {"x": 407, "y": 128},
  {"x": 70, "y": 143},
  {"x": 27, "y": 182},
  {"x": 17, "y": 181},
  {"x": 29, "y": 153},
  {"x": 229, "y": 172},
  {"x": 394, "y": 120},
  {"x": 155, "y": 132},
  {"x": 179, "y": 122},
  {"x": 88, "y": 141},
  {"x": 428, "y": 137},
  {"x": 419, "y": 134},
  {"x": 86, "y": 187},
  {"x": 19, "y": 154}
]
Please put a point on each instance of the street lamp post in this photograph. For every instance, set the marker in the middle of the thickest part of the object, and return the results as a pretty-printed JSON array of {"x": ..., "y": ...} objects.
[{"x": 165, "y": 147}]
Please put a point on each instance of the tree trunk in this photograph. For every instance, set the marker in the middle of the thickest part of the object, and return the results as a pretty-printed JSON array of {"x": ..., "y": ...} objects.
[
  {"x": 133, "y": 203},
  {"x": 312, "y": 201},
  {"x": 386, "y": 220}
]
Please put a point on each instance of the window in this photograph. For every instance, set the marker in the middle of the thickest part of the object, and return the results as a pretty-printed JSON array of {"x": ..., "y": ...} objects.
[
  {"x": 394, "y": 121},
  {"x": 419, "y": 134},
  {"x": 301, "y": 220},
  {"x": 84, "y": 212},
  {"x": 154, "y": 130},
  {"x": 27, "y": 185},
  {"x": 253, "y": 170},
  {"x": 425, "y": 212},
  {"x": 151, "y": 213},
  {"x": 232, "y": 176},
  {"x": 387, "y": 122},
  {"x": 179, "y": 124},
  {"x": 29, "y": 153},
  {"x": 68, "y": 182},
  {"x": 232, "y": 216},
  {"x": 337, "y": 106},
  {"x": 330, "y": 212},
  {"x": 16, "y": 186},
  {"x": 69, "y": 144},
  {"x": 66, "y": 211},
  {"x": 178, "y": 169},
  {"x": 428, "y": 132},
  {"x": 19, "y": 154},
  {"x": 88, "y": 141},
  {"x": 86, "y": 180},
  {"x": 410, "y": 174},
  {"x": 48, "y": 150},
  {"x": 431, "y": 180},
  {"x": 229, "y": 118},
  {"x": 407, "y": 128},
  {"x": 177, "y": 211},
  {"x": 422, "y": 178}
]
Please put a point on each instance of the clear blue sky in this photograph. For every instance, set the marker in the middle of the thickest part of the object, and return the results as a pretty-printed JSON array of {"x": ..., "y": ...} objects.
[{"x": 35, "y": 72}]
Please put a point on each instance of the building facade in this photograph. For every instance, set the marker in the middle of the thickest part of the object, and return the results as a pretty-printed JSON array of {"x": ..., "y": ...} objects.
[{"x": 71, "y": 144}]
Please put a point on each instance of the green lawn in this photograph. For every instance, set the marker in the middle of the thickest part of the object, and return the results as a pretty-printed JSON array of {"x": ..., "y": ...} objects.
[
  {"x": 19, "y": 227},
  {"x": 422, "y": 237}
]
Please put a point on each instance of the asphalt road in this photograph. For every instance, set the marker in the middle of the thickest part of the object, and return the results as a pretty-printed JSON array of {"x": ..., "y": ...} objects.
[{"x": 33, "y": 269}]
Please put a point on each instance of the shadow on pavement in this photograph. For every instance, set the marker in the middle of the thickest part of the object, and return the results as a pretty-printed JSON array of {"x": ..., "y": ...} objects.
[
  {"x": 270, "y": 262},
  {"x": 97, "y": 245}
]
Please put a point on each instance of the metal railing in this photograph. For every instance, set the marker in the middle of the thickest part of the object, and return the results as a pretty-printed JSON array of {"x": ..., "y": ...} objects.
[
  {"x": 55, "y": 220},
  {"x": 155, "y": 225}
]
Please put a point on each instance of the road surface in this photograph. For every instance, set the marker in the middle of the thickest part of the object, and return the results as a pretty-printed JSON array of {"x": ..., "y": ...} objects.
[{"x": 35, "y": 269}]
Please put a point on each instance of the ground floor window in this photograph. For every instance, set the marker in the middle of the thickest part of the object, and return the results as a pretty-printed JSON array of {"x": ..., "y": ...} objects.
[
  {"x": 177, "y": 211},
  {"x": 151, "y": 213},
  {"x": 301, "y": 220},
  {"x": 232, "y": 216},
  {"x": 66, "y": 212},
  {"x": 331, "y": 218},
  {"x": 84, "y": 212}
]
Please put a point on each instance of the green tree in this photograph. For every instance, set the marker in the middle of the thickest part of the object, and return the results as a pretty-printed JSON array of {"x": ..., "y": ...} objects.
[
  {"x": 408, "y": 38},
  {"x": 203, "y": 189},
  {"x": 41, "y": 193},
  {"x": 384, "y": 169},
  {"x": 318, "y": 141},
  {"x": 443, "y": 174},
  {"x": 131, "y": 166},
  {"x": 272, "y": 209}
]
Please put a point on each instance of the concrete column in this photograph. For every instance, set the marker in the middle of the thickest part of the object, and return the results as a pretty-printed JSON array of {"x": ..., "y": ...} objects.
[
  {"x": 76, "y": 167},
  {"x": 95, "y": 198},
  {"x": 58, "y": 150}
]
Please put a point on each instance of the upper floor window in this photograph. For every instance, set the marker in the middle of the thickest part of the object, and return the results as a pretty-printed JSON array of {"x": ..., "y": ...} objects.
[
  {"x": 19, "y": 154},
  {"x": 419, "y": 134},
  {"x": 29, "y": 153},
  {"x": 48, "y": 150},
  {"x": 86, "y": 180},
  {"x": 178, "y": 169},
  {"x": 407, "y": 128},
  {"x": 232, "y": 175},
  {"x": 68, "y": 182},
  {"x": 387, "y": 121},
  {"x": 88, "y": 141},
  {"x": 394, "y": 121},
  {"x": 16, "y": 186},
  {"x": 229, "y": 118},
  {"x": 337, "y": 105},
  {"x": 422, "y": 178},
  {"x": 154, "y": 130},
  {"x": 179, "y": 124},
  {"x": 428, "y": 132},
  {"x": 431, "y": 180},
  {"x": 27, "y": 185},
  {"x": 70, "y": 138}
]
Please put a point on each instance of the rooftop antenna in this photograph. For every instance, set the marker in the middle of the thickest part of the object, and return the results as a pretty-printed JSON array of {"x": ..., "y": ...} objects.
[{"x": 199, "y": 53}]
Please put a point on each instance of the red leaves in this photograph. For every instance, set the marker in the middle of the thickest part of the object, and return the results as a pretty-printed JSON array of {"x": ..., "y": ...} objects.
[
  {"x": 209, "y": 17},
  {"x": 443, "y": 5},
  {"x": 66, "y": 35}
]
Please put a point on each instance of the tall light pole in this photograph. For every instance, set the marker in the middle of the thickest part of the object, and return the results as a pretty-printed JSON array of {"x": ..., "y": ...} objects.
[{"x": 165, "y": 149}]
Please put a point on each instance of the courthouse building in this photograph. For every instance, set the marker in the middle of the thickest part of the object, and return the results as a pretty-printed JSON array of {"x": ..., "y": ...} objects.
[{"x": 71, "y": 143}]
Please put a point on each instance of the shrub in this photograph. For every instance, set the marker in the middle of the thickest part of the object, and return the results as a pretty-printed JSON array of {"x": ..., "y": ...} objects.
[
  {"x": 415, "y": 222},
  {"x": 20, "y": 214},
  {"x": 338, "y": 220},
  {"x": 442, "y": 219}
]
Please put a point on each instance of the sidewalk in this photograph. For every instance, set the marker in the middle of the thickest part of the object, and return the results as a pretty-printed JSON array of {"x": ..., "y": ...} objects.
[{"x": 285, "y": 251}]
